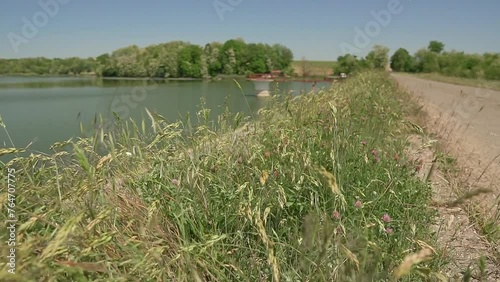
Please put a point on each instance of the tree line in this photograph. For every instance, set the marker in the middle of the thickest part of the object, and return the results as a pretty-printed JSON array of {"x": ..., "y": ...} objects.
[
  {"x": 45, "y": 66},
  {"x": 173, "y": 59},
  {"x": 426, "y": 60}
]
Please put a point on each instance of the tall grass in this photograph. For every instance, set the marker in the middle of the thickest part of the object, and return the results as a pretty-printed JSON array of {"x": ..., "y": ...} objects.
[{"x": 317, "y": 189}]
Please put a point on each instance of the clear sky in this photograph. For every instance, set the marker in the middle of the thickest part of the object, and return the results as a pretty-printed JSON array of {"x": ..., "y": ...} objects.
[{"x": 314, "y": 29}]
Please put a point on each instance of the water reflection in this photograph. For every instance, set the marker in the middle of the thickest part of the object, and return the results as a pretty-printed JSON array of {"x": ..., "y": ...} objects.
[{"x": 48, "y": 110}]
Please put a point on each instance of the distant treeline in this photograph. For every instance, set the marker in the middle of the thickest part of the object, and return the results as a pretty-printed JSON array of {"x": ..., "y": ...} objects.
[
  {"x": 168, "y": 60},
  {"x": 426, "y": 60},
  {"x": 44, "y": 66}
]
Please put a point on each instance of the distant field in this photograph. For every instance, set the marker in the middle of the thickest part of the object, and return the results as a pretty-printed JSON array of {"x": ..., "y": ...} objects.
[
  {"x": 322, "y": 68},
  {"x": 489, "y": 84}
]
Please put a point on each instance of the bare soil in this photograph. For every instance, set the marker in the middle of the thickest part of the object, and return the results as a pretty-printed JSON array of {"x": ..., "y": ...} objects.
[{"x": 466, "y": 121}]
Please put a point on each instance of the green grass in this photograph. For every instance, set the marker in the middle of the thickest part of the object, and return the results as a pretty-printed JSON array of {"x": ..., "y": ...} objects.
[
  {"x": 314, "y": 68},
  {"x": 488, "y": 84},
  {"x": 276, "y": 201}
]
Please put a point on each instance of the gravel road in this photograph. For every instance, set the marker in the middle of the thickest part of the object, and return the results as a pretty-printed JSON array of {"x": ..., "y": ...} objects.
[{"x": 468, "y": 121}]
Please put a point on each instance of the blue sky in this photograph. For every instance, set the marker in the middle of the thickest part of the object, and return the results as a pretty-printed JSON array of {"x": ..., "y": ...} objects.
[{"x": 313, "y": 29}]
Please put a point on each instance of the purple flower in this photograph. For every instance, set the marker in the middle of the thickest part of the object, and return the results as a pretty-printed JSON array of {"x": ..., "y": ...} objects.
[
  {"x": 389, "y": 230},
  {"x": 364, "y": 142},
  {"x": 386, "y": 218},
  {"x": 336, "y": 215},
  {"x": 358, "y": 204},
  {"x": 374, "y": 152},
  {"x": 176, "y": 182}
]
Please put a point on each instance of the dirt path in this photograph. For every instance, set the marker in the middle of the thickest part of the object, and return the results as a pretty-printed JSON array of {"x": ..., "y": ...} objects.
[{"x": 468, "y": 121}]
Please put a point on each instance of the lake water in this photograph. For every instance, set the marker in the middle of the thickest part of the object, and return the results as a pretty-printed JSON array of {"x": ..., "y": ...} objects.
[{"x": 43, "y": 110}]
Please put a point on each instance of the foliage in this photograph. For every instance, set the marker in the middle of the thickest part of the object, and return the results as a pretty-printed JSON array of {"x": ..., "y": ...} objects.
[
  {"x": 189, "y": 61},
  {"x": 314, "y": 190},
  {"x": 168, "y": 60},
  {"x": 432, "y": 59},
  {"x": 435, "y": 46},
  {"x": 401, "y": 61},
  {"x": 44, "y": 66},
  {"x": 347, "y": 64},
  {"x": 426, "y": 61},
  {"x": 378, "y": 57}
]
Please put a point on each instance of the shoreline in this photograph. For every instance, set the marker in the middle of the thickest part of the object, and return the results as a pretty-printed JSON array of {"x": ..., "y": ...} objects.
[{"x": 305, "y": 79}]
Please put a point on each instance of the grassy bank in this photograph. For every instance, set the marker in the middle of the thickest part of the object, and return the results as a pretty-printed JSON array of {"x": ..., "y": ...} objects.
[
  {"x": 313, "y": 68},
  {"x": 317, "y": 190},
  {"x": 489, "y": 84}
]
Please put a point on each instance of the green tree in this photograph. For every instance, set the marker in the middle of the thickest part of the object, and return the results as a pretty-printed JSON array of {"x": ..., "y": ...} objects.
[
  {"x": 283, "y": 56},
  {"x": 346, "y": 64},
  {"x": 171, "y": 59},
  {"x": 190, "y": 61},
  {"x": 426, "y": 61},
  {"x": 491, "y": 66},
  {"x": 378, "y": 58},
  {"x": 436, "y": 46},
  {"x": 401, "y": 60},
  {"x": 211, "y": 52},
  {"x": 256, "y": 58},
  {"x": 232, "y": 56}
]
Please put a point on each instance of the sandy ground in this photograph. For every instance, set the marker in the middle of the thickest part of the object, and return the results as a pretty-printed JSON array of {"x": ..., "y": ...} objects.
[{"x": 467, "y": 122}]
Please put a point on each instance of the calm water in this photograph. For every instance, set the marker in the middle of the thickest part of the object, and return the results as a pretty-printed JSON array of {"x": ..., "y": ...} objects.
[{"x": 44, "y": 110}]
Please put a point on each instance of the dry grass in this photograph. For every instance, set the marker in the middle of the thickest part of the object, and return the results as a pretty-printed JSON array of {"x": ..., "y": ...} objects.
[
  {"x": 313, "y": 191},
  {"x": 313, "y": 68}
]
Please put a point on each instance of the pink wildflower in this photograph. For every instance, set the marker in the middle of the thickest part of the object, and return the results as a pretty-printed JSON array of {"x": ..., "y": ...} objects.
[
  {"x": 336, "y": 215},
  {"x": 386, "y": 218},
  {"x": 389, "y": 230},
  {"x": 358, "y": 204},
  {"x": 175, "y": 182},
  {"x": 376, "y": 159},
  {"x": 364, "y": 142},
  {"x": 374, "y": 152}
]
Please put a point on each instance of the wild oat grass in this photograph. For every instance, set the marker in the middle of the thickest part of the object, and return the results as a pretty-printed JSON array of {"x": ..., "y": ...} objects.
[{"x": 314, "y": 190}]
